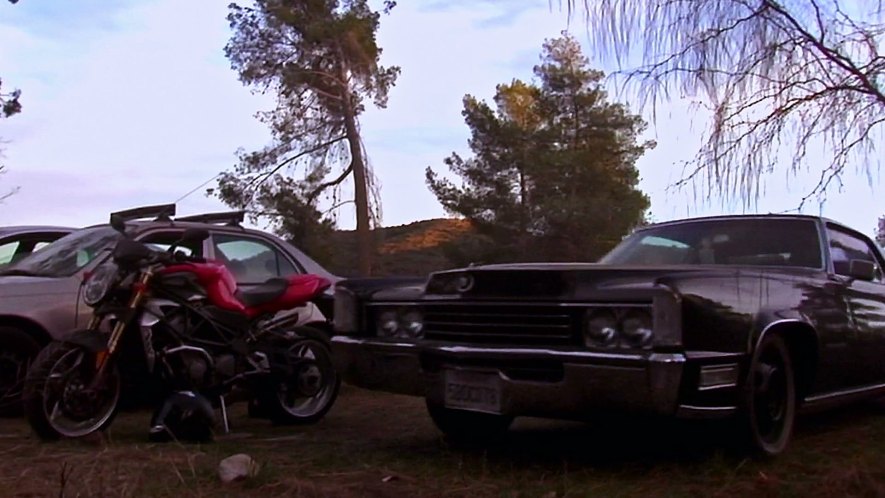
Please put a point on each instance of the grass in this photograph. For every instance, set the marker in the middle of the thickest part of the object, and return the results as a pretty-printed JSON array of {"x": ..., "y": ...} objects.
[{"x": 374, "y": 444}]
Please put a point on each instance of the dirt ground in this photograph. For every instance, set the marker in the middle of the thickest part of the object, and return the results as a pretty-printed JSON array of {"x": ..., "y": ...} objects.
[{"x": 374, "y": 444}]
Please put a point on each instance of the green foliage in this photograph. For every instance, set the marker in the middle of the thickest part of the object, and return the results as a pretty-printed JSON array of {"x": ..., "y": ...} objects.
[
  {"x": 321, "y": 60},
  {"x": 553, "y": 175},
  {"x": 9, "y": 103}
]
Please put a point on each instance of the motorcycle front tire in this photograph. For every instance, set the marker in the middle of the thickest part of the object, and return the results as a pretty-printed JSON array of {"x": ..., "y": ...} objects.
[{"x": 35, "y": 391}]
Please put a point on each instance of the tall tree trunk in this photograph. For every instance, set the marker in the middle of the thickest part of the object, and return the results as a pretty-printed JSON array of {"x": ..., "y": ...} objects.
[{"x": 360, "y": 194}]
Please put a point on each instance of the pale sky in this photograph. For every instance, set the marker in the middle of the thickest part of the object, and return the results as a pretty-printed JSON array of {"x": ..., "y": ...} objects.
[{"x": 131, "y": 102}]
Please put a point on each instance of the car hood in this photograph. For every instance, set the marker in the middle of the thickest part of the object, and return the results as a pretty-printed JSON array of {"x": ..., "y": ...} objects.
[
  {"x": 379, "y": 287},
  {"x": 573, "y": 280},
  {"x": 20, "y": 286}
]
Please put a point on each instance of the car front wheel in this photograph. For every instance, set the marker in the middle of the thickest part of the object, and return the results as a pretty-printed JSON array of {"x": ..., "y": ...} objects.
[
  {"x": 770, "y": 402},
  {"x": 17, "y": 350}
]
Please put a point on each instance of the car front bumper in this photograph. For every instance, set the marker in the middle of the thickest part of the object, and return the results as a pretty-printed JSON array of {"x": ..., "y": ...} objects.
[{"x": 542, "y": 382}]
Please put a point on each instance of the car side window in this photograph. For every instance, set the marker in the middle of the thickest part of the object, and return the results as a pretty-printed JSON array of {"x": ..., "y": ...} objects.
[
  {"x": 844, "y": 247},
  {"x": 251, "y": 260},
  {"x": 7, "y": 251},
  {"x": 162, "y": 241}
]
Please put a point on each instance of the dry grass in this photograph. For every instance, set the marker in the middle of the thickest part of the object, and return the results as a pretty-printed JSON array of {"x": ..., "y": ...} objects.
[{"x": 382, "y": 445}]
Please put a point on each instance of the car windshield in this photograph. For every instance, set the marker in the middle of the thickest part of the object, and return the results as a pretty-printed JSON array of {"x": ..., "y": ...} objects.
[
  {"x": 755, "y": 241},
  {"x": 67, "y": 255}
]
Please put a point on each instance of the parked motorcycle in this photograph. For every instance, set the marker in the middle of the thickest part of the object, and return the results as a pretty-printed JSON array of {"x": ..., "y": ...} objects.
[{"x": 170, "y": 326}]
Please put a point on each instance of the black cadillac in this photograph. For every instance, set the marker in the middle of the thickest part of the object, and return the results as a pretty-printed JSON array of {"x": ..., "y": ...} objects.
[{"x": 753, "y": 317}]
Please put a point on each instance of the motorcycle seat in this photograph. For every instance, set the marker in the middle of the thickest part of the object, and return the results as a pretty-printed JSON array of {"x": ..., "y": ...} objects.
[{"x": 263, "y": 293}]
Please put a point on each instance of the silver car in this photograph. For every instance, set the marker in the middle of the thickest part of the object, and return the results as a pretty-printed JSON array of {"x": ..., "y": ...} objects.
[{"x": 40, "y": 296}]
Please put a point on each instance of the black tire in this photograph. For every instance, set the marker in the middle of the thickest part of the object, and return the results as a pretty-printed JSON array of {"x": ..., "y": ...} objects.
[
  {"x": 467, "y": 426},
  {"x": 37, "y": 389},
  {"x": 770, "y": 398},
  {"x": 319, "y": 376},
  {"x": 17, "y": 351}
]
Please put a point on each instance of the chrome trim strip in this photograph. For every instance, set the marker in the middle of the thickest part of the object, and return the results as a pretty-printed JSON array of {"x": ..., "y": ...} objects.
[
  {"x": 752, "y": 347},
  {"x": 716, "y": 386},
  {"x": 341, "y": 339},
  {"x": 708, "y": 409},
  {"x": 539, "y": 351},
  {"x": 845, "y": 392},
  {"x": 691, "y": 411},
  {"x": 652, "y": 358},
  {"x": 704, "y": 355},
  {"x": 510, "y": 303}
]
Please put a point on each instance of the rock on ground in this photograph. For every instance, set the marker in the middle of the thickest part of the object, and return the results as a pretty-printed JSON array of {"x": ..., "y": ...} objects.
[{"x": 237, "y": 467}]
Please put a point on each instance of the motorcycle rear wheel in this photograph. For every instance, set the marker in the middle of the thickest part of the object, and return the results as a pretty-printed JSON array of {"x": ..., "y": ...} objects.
[
  {"x": 310, "y": 392},
  {"x": 57, "y": 399}
]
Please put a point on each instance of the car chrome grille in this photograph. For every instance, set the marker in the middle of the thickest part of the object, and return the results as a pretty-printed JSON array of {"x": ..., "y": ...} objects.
[{"x": 510, "y": 324}]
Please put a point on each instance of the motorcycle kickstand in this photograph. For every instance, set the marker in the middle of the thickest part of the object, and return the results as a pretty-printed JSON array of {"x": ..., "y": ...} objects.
[{"x": 224, "y": 419}]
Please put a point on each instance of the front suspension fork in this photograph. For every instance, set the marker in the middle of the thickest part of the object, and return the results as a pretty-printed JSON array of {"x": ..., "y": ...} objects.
[{"x": 102, "y": 357}]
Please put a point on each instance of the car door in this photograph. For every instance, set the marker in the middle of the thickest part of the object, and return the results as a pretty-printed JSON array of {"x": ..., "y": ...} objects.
[{"x": 866, "y": 303}]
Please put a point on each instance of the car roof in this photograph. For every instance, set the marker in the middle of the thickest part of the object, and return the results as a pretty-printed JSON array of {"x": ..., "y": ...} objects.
[
  {"x": 309, "y": 264},
  {"x": 822, "y": 220},
  {"x": 808, "y": 217},
  {"x": 10, "y": 230}
]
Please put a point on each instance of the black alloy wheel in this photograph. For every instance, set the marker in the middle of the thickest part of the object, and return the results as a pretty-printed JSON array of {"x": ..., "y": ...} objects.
[{"x": 770, "y": 403}]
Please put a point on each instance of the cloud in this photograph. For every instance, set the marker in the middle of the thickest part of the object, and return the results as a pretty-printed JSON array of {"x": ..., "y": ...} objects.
[{"x": 134, "y": 115}]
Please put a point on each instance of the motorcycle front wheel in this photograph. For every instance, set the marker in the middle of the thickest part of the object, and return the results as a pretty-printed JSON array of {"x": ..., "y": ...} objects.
[
  {"x": 311, "y": 390},
  {"x": 61, "y": 397}
]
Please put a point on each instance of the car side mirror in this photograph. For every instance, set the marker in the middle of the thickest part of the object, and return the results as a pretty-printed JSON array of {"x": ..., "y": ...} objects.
[{"x": 862, "y": 269}]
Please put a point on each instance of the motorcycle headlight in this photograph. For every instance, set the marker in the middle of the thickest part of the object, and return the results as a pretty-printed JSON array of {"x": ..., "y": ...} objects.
[
  {"x": 636, "y": 329},
  {"x": 98, "y": 283},
  {"x": 600, "y": 329},
  {"x": 402, "y": 322}
]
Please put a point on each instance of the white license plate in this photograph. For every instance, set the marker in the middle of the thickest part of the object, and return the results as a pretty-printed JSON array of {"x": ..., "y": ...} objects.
[{"x": 474, "y": 391}]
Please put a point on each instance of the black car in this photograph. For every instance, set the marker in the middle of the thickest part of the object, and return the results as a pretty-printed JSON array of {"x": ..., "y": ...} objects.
[{"x": 753, "y": 317}]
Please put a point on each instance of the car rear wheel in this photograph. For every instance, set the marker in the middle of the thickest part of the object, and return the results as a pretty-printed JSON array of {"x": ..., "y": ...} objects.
[
  {"x": 17, "y": 350},
  {"x": 770, "y": 403},
  {"x": 467, "y": 426}
]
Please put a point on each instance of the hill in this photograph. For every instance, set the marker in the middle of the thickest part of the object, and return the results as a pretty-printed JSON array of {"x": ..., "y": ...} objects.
[{"x": 405, "y": 250}]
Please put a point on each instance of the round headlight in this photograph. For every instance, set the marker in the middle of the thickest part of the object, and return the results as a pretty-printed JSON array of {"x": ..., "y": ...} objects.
[
  {"x": 412, "y": 323},
  {"x": 387, "y": 324},
  {"x": 98, "y": 283},
  {"x": 600, "y": 329},
  {"x": 637, "y": 329}
]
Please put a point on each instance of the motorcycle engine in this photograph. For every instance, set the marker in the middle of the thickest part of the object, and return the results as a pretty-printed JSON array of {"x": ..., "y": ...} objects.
[
  {"x": 188, "y": 369},
  {"x": 225, "y": 365}
]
